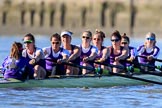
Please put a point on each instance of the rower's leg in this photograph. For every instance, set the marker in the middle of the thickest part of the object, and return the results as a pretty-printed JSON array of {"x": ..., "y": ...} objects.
[
  {"x": 69, "y": 70},
  {"x": 117, "y": 70},
  {"x": 85, "y": 71},
  {"x": 53, "y": 71},
  {"x": 75, "y": 71},
  {"x": 39, "y": 72}
]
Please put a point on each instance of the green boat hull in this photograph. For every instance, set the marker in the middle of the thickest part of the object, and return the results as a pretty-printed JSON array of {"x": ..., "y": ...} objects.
[{"x": 92, "y": 82}]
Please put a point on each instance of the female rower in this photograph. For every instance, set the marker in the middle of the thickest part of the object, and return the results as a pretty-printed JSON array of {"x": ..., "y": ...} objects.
[
  {"x": 88, "y": 51},
  {"x": 73, "y": 50},
  {"x": 55, "y": 56},
  {"x": 149, "y": 50},
  {"x": 14, "y": 65},
  {"x": 34, "y": 56},
  {"x": 117, "y": 52},
  {"x": 132, "y": 51},
  {"x": 103, "y": 52}
]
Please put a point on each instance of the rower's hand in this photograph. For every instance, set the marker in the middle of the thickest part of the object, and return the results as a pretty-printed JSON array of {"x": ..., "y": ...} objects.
[
  {"x": 149, "y": 58},
  {"x": 101, "y": 60},
  {"x": 117, "y": 58},
  {"x": 131, "y": 59},
  {"x": 32, "y": 61},
  {"x": 85, "y": 59},
  {"x": 59, "y": 61}
]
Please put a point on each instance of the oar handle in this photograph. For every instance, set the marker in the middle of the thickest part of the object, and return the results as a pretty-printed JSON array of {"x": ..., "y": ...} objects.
[
  {"x": 159, "y": 60},
  {"x": 106, "y": 64},
  {"x": 146, "y": 65},
  {"x": 133, "y": 69},
  {"x": 128, "y": 68}
]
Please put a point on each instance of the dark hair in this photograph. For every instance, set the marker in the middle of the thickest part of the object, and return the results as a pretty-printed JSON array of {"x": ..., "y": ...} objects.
[
  {"x": 101, "y": 33},
  {"x": 56, "y": 35},
  {"x": 126, "y": 37},
  {"x": 88, "y": 32},
  {"x": 16, "y": 50},
  {"x": 116, "y": 34},
  {"x": 31, "y": 36}
]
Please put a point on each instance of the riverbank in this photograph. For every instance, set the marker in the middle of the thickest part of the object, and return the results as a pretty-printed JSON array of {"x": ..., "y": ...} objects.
[{"x": 46, "y": 17}]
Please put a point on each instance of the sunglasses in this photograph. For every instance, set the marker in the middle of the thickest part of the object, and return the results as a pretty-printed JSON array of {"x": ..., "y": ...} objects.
[
  {"x": 85, "y": 37},
  {"x": 124, "y": 43},
  {"x": 55, "y": 43},
  {"x": 28, "y": 41},
  {"x": 151, "y": 39},
  {"x": 114, "y": 40},
  {"x": 96, "y": 39}
]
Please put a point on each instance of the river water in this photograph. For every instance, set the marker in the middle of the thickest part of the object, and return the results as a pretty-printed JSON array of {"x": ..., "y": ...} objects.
[{"x": 133, "y": 96}]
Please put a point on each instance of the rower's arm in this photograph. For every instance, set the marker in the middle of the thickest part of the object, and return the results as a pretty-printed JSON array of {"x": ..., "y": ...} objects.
[
  {"x": 105, "y": 55},
  {"x": 39, "y": 55},
  {"x": 65, "y": 55},
  {"x": 93, "y": 55},
  {"x": 156, "y": 52},
  {"x": 124, "y": 54},
  {"x": 76, "y": 54},
  {"x": 36, "y": 58},
  {"x": 65, "y": 58}
]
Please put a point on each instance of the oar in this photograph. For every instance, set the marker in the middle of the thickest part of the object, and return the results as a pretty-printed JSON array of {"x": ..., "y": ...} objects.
[
  {"x": 135, "y": 69},
  {"x": 1, "y": 76},
  {"x": 121, "y": 75},
  {"x": 97, "y": 71},
  {"x": 74, "y": 76},
  {"x": 0, "y": 69},
  {"x": 147, "y": 65},
  {"x": 131, "y": 77},
  {"x": 137, "y": 78},
  {"x": 106, "y": 64},
  {"x": 74, "y": 65},
  {"x": 159, "y": 60},
  {"x": 79, "y": 66}
]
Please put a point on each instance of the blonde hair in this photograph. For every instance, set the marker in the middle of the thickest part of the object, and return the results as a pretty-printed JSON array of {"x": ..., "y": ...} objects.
[
  {"x": 101, "y": 33},
  {"x": 152, "y": 35}
]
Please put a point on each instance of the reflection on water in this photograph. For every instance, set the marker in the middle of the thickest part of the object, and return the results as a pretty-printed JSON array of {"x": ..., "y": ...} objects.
[{"x": 121, "y": 97}]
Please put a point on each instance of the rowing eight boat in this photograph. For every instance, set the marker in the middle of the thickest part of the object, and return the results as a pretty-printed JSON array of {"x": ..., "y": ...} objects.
[{"x": 73, "y": 82}]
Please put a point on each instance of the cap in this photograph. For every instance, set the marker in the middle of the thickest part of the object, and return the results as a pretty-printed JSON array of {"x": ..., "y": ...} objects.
[{"x": 66, "y": 33}]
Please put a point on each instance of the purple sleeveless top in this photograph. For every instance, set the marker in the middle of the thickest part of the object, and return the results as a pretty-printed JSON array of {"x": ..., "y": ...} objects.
[
  {"x": 50, "y": 64},
  {"x": 14, "y": 72},
  {"x": 145, "y": 53},
  {"x": 100, "y": 56},
  {"x": 85, "y": 55},
  {"x": 112, "y": 55}
]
